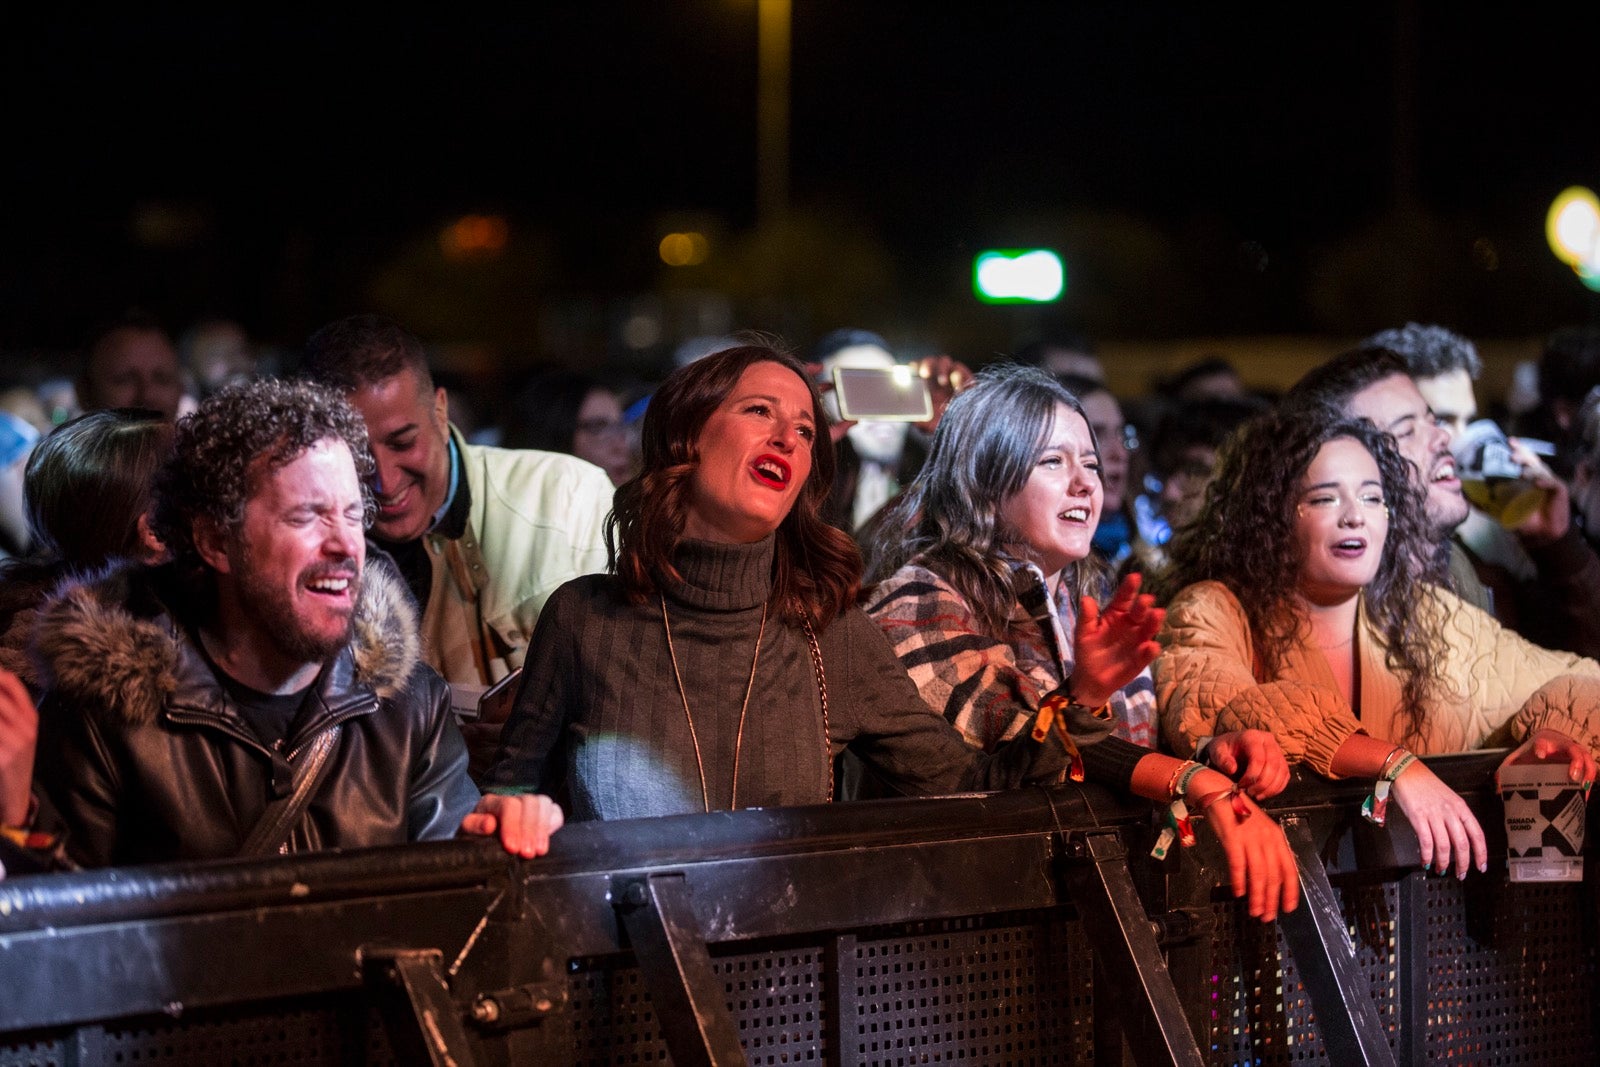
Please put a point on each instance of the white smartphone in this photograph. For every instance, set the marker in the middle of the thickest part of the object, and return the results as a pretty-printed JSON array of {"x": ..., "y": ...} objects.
[{"x": 882, "y": 394}]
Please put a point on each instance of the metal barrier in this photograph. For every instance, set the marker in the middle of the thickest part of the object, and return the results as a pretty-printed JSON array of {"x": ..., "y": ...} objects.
[{"x": 1021, "y": 928}]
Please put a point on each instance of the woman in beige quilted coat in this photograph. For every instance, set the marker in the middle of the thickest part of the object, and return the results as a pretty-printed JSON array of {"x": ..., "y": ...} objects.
[{"x": 1306, "y": 607}]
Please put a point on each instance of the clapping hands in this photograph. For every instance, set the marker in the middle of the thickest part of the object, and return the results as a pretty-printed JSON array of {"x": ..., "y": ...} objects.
[{"x": 1111, "y": 645}]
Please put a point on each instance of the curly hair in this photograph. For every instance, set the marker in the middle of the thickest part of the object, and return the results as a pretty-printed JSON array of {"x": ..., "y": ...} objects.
[
  {"x": 215, "y": 449},
  {"x": 949, "y": 518},
  {"x": 1245, "y": 538},
  {"x": 1430, "y": 351},
  {"x": 815, "y": 563}
]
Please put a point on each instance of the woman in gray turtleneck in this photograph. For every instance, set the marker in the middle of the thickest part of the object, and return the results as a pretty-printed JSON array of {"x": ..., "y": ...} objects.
[{"x": 723, "y": 664}]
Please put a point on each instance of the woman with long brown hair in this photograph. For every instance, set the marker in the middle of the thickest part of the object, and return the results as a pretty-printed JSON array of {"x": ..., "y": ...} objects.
[
  {"x": 723, "y": 663},
  {"x": 989, "y": 589}
]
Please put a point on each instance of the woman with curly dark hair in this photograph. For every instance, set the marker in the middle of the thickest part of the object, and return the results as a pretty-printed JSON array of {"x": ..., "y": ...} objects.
[
  {"x": 1306, "y": 608},
  {"x": 723, "y": 663}
]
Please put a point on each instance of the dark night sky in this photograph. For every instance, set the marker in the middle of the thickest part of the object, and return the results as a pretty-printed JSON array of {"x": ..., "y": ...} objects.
[{"x": 315, "y": 146}]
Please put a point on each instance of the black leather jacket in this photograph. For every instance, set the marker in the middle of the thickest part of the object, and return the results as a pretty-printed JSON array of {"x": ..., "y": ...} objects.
[{"x": 147, "y": 759}]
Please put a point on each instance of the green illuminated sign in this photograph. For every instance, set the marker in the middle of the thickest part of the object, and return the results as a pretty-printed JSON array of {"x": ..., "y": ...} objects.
[{"x": 1018, "y": 276}]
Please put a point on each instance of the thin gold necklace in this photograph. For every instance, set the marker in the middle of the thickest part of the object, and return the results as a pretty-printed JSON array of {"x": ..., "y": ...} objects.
[{"x": 694, "y": 736}]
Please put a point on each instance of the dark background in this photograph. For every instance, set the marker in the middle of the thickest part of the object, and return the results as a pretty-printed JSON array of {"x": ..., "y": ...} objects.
[{"x": 1286, "y": 169}]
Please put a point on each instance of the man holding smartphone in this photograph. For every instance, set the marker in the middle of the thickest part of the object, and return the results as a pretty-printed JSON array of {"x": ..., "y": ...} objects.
[{"x": 885, "y": 431}]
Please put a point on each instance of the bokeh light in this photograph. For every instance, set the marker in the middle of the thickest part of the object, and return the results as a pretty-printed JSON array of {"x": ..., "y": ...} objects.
[
  {"x": 475, "y": 237},
  {"x": 685, "y": 249},
  {"x": 1573, "y": 227}
]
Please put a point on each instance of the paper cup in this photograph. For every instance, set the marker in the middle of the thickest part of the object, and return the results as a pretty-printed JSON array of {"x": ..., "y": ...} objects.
[{"x": 1544, "y": 823}]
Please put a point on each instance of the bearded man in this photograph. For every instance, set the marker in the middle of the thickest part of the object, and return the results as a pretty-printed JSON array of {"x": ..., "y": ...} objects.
[{"x": 263, "y": 691}]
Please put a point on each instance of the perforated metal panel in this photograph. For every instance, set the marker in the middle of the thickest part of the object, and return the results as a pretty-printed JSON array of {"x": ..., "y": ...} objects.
[
  {"x": 43, "y": 1052},
  {"x": 1477, "y": 972},
  {"x": 1510, "y": 978},
  {"x": 971, "y": 991},
  {"x": 776, "y": 999},
  {"x": 1261, "y": 1013}
]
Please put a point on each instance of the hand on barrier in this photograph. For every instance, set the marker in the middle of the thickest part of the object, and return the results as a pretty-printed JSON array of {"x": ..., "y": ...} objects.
[
  {"x": 1260, "y": 861},
  {"x": 1112, "y": 645},
  {"x": 1446, "y": 828},
  {"x": 525, "y": 822},
  {"x": 1257, "y": 754},
  {"x": 1553, "y": 746}
]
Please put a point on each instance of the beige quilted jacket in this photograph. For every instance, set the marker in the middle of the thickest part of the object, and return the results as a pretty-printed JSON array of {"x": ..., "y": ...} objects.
[{"x": 1502, "y": 687}]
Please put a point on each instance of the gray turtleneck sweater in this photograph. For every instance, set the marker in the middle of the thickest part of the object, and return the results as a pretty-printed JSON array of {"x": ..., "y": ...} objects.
[{"x": 599, "y": 720}]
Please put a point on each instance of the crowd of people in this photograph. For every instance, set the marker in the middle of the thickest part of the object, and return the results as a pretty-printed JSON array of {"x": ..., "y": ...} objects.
[{"x": 313, "y": 613}]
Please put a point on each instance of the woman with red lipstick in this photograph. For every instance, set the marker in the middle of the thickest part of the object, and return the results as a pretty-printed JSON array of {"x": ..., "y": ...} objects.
[
  {"x": 1299, "y": 614},
  {"x": 987, "y": 586},
  {"x": 723, "y": 663}
]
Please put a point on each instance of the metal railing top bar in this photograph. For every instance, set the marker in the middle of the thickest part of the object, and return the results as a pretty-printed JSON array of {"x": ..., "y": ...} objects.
[{"x": 165, "y": 890}]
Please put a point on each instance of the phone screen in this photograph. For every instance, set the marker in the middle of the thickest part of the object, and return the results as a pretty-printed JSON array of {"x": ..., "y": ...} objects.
[{"x": 885, "y": 394}]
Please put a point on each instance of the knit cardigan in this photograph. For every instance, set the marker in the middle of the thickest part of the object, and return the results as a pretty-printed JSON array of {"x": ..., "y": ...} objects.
[
  {"x": 1501, "y": 687},
  {"x": 600, "y": 719}
]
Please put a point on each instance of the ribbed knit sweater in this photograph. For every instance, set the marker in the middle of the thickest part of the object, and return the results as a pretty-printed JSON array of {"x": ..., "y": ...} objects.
[{"x": 600, "y": 722}]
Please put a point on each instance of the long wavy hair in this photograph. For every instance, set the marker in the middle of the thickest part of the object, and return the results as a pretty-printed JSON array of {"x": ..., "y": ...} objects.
[
  {"x": 815, "y": 564},
  {"x": 949, "y": 518},
  {"x": 1245, "y": 538}
]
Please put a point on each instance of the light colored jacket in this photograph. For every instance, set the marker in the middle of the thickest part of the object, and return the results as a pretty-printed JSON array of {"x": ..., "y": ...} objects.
[
  {"x": 537, "y": 521},
  {"x": 1500, "y": 687}
]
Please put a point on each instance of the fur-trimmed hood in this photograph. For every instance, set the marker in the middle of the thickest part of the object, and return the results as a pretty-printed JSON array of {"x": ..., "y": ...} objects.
[{"x": 119, "y": 642}]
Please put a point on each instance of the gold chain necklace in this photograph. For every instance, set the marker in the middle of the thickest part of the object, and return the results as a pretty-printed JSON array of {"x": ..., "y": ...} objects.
[{"x": 683, "y": 694}]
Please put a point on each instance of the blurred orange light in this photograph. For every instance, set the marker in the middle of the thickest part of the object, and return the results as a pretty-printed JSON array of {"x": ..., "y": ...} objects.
[
  {"x": 474, "y": 236},
  {"x": 684, "y": 249}
]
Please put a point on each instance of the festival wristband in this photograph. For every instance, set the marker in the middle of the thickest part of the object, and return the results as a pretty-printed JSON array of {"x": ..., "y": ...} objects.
[
  {"x": 1178, "y": 786},
  {"x": 29, "y": 839},
  {"x": 1053, "y": 715},
  {"x": 1101, "y": 711},
  {"x": 1235, "y": 797},
  {"x": 1177, "y": 826},
  {"x": 1375, "y": 809}
]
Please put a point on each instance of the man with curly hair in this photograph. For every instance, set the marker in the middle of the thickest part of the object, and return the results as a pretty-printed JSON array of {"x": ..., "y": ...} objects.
[
  {"x": 263, "y": 691},
  {"x": 482, "y": 535}
]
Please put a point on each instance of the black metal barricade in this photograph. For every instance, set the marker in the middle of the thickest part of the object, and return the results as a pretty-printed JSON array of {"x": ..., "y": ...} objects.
[{"x": 1022, "y": 928}]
